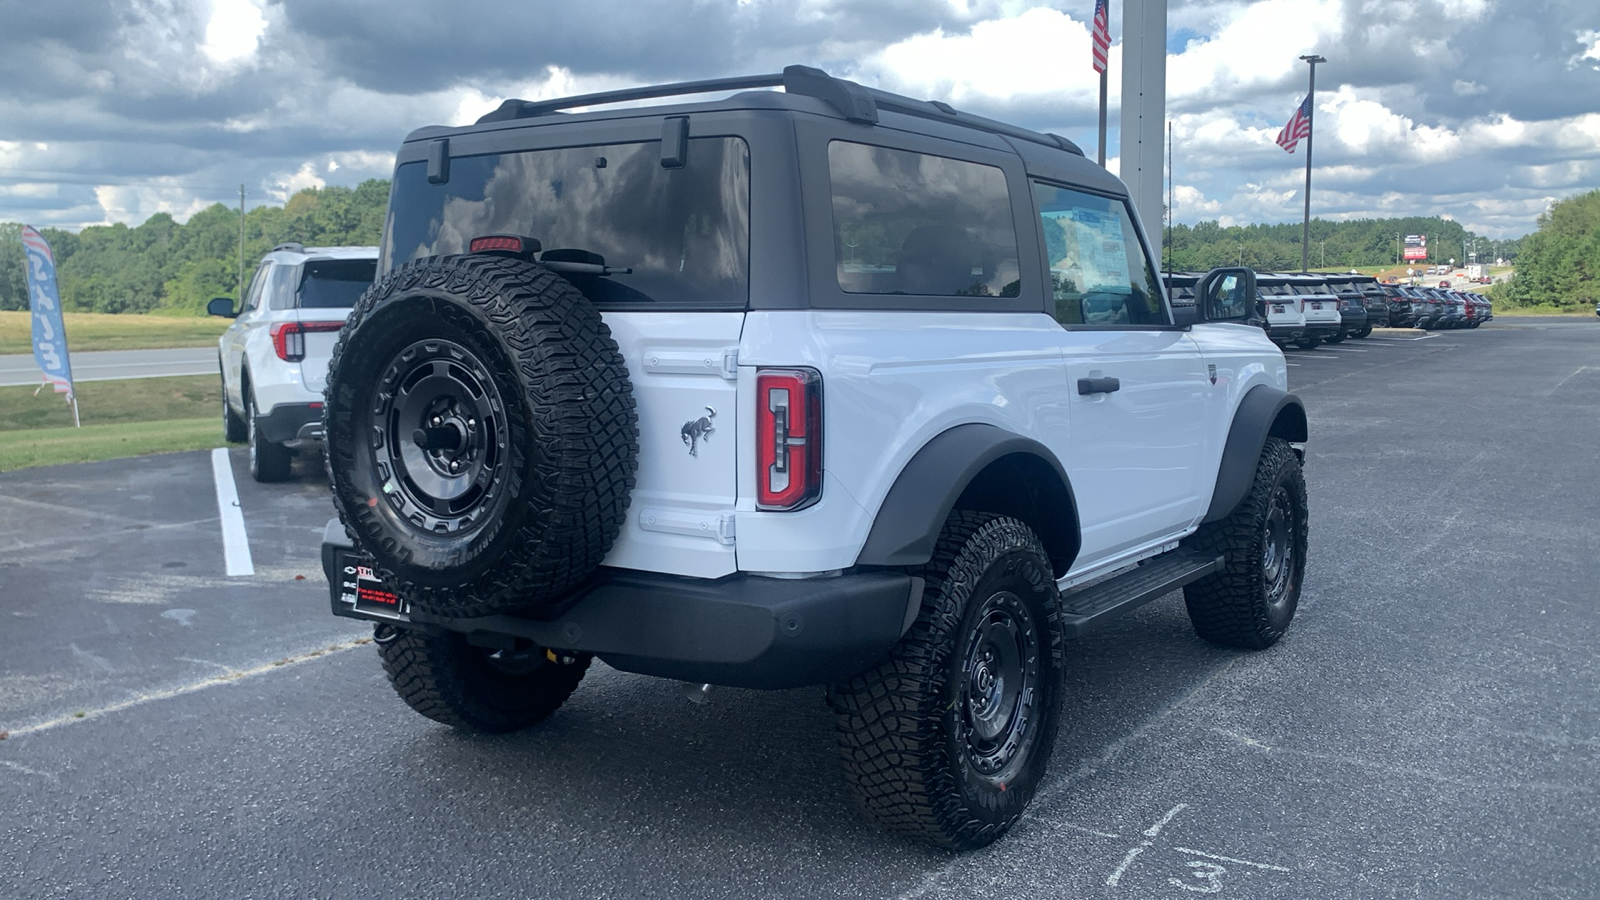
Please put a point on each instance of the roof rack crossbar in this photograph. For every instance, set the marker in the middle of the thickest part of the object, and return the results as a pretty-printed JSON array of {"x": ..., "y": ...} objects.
[
  {"x": 520, "y": 109},
  {"x": 855, "y": 102}
]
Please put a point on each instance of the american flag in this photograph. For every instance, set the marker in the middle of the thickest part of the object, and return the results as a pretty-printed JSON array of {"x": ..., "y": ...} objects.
[
  {"x": 1102, "y": 35},
  {"x": 1299, "y": 127}
]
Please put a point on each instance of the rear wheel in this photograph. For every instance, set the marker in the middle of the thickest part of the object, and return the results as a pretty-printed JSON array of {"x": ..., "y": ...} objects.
[
  {"x": 1336, "y": 338},
  {"x": 1250, "y": 602},
  {"x": 1366, "y": 330},
  {"x": 947, "y": 739},
  {"x": 1308, "y": 343},
  {"x": 269, "y": 461},
  {"x": 473, "y": 688},
  {"x": 234, "y": 430}
]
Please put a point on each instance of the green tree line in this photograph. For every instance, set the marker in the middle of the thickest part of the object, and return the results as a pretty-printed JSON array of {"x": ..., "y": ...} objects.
[
  {"x": 1560, "y": 262},
  {"x": 1344, "y": 245},
  {"x": 165, "y": 266}
]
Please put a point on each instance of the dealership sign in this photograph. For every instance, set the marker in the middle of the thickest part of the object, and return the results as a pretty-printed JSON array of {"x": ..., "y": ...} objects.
[{"x": 1416, "y": 246}]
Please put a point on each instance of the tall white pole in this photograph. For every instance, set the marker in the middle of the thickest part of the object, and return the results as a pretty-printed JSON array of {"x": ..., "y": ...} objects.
[{"x": 1144, "y": 108}]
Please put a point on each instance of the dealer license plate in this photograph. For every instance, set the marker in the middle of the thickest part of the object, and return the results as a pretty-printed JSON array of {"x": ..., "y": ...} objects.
[{"x": 359, "y": 590}]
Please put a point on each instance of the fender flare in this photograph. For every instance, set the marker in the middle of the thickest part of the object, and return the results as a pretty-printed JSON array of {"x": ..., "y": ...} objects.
[
  {"x": 1264, "y": 412},
  {"x": 989, "y": 468}
]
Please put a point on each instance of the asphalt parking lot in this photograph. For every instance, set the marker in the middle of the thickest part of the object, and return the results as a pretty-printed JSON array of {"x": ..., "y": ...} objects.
[{"x": 1428, "y": 728}]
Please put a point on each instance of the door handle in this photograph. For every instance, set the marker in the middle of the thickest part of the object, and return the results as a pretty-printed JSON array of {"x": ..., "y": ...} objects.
[{"x": 1098, "y": 385}]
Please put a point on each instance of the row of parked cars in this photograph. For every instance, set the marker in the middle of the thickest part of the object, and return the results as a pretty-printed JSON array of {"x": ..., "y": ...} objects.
[{"x": 1309, "y": 309}]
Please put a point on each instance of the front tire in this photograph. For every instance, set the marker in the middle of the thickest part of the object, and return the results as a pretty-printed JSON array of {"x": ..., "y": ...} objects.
[
  {"x": 947, "y": 739},
  {"x": 473, "y": 688},
  {"x": 1251, "y": 601},
  {"x": 269, "y": 462}
]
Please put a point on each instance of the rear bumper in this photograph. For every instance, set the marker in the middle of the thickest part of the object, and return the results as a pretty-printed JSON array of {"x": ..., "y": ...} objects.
[
  {"x": 1321, "y": 329},
  {"x": 291, "y": 423},
  {"x": 1285, "y": 333},
  {"x": 740, "y": 630}
]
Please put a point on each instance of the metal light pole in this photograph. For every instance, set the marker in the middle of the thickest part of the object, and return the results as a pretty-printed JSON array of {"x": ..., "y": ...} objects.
[
  {"x": 1397, "y": 249},
  {"x": 1311, "y": 114}
]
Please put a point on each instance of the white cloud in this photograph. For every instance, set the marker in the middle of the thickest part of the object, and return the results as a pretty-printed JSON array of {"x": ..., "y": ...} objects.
[
  {"x": 283, "y": 186},
  {"x": 1040, "y": 54},
  {"x": 134, "y": 204},
  {"x": 1257, "y": 48},
  {"x": 1591, "y": 41},
  {"x": 233, "y": 31}
]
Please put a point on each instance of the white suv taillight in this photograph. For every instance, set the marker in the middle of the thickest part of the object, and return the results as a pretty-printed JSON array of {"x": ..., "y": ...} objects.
[
  {"x": 788, "y": 438},
  {"x": 289, "y": 338}
]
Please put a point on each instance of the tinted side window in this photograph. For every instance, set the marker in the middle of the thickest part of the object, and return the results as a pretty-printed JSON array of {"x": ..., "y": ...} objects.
[
  {"x": 1098, "y": 271},
  {"x": 252, "y": 297},
  {"x": 279, "y": 290},
  {"x": 912, "y": 223},
  {"x": 684, "y": 232},
  {"x": 335, "y": 283}
]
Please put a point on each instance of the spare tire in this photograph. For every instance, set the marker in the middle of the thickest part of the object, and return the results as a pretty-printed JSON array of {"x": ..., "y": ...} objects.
[{"x": 481, "y": 434}]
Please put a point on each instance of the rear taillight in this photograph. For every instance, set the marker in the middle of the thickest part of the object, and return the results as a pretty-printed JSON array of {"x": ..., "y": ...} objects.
[
  {"x": 289, "y": 338},
  {"x": 788, "y": 438}
]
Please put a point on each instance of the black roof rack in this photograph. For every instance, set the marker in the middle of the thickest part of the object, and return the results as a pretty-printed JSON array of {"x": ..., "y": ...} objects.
[{"x": 853, "y": 101}]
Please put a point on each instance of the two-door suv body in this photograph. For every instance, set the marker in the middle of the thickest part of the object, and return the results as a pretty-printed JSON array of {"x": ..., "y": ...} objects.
[{"x": 825, "y": 386}]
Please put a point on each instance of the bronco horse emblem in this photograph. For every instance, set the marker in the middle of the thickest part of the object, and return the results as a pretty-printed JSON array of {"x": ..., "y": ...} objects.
[{"x": 699, "y": 430}]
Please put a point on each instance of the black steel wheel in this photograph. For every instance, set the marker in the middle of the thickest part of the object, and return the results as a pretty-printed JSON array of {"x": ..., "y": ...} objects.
[
  {"x": 947, "y": 739},
  {"x": 481, "y": 435},
  {"x": 1251, "y": 601}
]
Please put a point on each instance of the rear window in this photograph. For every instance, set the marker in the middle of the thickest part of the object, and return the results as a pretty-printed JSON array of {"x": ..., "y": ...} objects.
[
  {"x": 684, "y": 232},
  {"x": 335, "y": 283},
  {"x": 913, "y": 223}
]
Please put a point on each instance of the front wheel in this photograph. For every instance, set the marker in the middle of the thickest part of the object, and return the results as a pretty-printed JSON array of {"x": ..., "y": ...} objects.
[
  {"x": 1250, "y": 602},
  {"x": 947, "y": 739}
]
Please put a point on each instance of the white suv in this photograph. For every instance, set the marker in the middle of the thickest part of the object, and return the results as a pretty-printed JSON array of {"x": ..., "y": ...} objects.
[
  {"x": 274, "y": 357},
  {"x": 822, "y": 387}
]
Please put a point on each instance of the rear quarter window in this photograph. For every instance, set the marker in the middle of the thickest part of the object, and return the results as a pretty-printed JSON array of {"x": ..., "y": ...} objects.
[{"x": 914, "y": 223}]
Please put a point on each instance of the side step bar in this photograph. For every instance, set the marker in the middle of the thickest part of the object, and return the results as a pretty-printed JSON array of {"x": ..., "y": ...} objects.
[{"x": 1099, "y": 603}]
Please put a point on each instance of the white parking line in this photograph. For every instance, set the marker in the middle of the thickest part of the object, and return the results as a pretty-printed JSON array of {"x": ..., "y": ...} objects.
[{"x": 235, "y": 543}]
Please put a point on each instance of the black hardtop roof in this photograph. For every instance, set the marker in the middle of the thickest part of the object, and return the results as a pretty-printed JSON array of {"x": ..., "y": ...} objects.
[{"x": 805, "y": 89}]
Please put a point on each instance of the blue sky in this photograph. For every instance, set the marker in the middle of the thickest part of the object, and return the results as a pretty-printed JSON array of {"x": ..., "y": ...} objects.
[{"x": 1481, "y": 110}]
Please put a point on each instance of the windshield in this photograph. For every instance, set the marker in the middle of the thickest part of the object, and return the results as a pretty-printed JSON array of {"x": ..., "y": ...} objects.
[
  {"x": 684, "y": 232},
  {"x": 335, "y": 283}
]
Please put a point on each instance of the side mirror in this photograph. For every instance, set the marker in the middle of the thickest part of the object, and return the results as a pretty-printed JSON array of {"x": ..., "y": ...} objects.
[
  {"x": 1226, "y": 294},
  {"x": 221, "y": 306}
]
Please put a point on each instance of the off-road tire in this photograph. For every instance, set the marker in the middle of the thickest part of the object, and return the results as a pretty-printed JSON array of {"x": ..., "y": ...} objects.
[
  {"x": 1251, "y": 601},
  {"x": 550, "y": 454},
  {"x": 470, "y": 688},
  {"x": 269, "y": 462},
  {"x": 1308, "y": 343},
  {"x": 910, "y": 729},
  {"x": 234, "y": 429}
]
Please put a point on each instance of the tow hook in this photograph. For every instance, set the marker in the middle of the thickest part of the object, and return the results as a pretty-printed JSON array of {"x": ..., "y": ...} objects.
[
  {"x": 695, "y": 693},
  {"x": 383, "y": 633},
  {"x": 561, "y": 657}
]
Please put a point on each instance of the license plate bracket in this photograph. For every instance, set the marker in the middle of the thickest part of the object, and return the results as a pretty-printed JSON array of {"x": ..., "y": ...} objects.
[{"x": 358, "y": 592}]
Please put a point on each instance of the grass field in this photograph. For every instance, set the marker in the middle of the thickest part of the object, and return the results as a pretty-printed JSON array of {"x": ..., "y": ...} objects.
[
  {"x": 120, "y": 418},
  {"x": 102, "y": 331}
]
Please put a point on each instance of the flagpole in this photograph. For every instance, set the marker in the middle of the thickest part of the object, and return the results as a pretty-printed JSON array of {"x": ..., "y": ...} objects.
[
  {"x": 1102, "y": 156},
  {"x": 1311, "y": 133}
]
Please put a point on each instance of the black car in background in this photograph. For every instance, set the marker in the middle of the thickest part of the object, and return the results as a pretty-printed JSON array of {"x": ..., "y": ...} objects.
[
  {"x": 1428, "y": 307},
  {"x": 1399, "y": 301},
  {"x": 1352, "y": 307},
  {"x": 1373, "y": 298}
]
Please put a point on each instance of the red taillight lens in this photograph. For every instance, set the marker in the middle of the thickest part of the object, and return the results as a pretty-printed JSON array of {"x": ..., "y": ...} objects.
[
  {"x": 289, "y": 338},
  {"x": 505, "y": 242},
  {"x": 788, "y": 438}
]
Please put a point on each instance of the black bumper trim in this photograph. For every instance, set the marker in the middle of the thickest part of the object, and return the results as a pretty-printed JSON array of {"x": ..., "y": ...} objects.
[
  {"x": 288, "y": 421},
  {"x": 739, "y": 630}
]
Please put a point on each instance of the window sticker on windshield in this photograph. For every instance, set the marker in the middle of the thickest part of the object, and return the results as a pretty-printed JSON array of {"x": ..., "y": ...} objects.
[{"x": 1102, "y": 249}]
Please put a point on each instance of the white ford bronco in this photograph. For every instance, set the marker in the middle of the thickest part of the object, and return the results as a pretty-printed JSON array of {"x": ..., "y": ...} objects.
[{"x": 819, "y": 386}]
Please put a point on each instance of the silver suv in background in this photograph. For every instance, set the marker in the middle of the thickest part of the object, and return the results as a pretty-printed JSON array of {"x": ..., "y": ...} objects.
[{"x": 274, "y": 357}]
